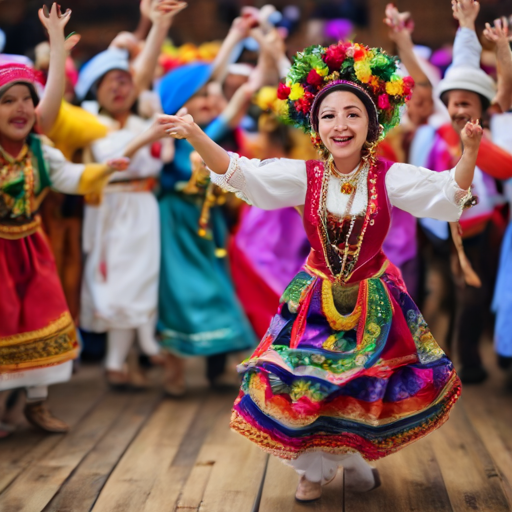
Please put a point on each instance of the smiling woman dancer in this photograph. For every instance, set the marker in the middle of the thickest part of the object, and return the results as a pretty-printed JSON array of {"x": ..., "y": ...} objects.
[{"x": 348, "y": 370}]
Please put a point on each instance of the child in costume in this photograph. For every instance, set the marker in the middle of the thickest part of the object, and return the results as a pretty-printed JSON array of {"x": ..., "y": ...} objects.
[
  {"x": 37, "y": 334},
  {"x": 348, "y": 370},
  {"x": 121, "y": 230}
]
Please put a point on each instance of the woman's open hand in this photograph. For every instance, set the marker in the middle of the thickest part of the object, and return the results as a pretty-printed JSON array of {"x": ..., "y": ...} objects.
[
  {"x": 471, "y": 135},
  {"x": 182, "y": 125},
  {"x": 401, "y": 26},
  {"x": 499, "y": 32},
  {"x": 53, "y": 20},
  {"x": 163, "y": 11},
  {"x": 466, "y": 12}
]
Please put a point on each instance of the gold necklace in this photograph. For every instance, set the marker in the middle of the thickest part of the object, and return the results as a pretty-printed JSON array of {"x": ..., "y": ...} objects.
[{"x": 348, "y": 184}]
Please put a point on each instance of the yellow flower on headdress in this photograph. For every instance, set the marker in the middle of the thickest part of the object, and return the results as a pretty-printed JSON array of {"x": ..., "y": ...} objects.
[
  {"x": 363, "y": 71},
  {"x": 323, "y": 71},
  {"x": 395, "y": 87},
  {"x": 297, "y": 92}
]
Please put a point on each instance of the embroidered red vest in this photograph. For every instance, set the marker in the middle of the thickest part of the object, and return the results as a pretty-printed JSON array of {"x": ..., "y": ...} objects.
[{"x": 376, "y": 224}]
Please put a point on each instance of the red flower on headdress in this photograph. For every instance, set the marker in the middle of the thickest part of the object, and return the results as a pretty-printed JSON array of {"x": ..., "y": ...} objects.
[
  {"x": 383, "y": 102},
  {"x": 334, "y": 56},
  {"x": 314, "y": 78},
  {"x": 408, "y": 85},
  {"x": 283, "y": 91},
  {"x": 304, "y": 104},
  {"x": 359, "y": 54}
]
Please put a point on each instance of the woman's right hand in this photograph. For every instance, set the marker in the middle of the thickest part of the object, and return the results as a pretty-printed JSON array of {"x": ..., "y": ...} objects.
[{"x": 182, "y": 125}]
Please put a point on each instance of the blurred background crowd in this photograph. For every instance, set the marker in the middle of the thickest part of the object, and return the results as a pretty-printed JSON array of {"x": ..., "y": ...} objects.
[{"x": 223, "y": 60}]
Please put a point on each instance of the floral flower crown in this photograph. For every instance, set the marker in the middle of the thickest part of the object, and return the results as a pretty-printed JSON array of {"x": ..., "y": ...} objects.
[{"x": 370, "y": 69}]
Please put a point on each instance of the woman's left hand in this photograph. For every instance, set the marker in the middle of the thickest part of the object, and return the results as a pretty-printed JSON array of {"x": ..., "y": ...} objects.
[
  {"x": 182, "y": 125},
  {"x": 471, "y": 135}
]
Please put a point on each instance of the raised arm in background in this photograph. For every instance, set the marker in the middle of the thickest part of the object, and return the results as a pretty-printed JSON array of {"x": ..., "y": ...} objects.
[
  {"x": 401, "y": 27},
  {"x": 239, "y": 30},
  {"x": 161, "y": 14},
  {"x": 499, "y": 35},
  {"x": 54, "y": 22},
  {"x": 265, "y": 73}
]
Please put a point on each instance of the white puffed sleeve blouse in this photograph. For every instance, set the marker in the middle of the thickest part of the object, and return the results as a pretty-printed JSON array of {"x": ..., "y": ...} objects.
[{"x": 280, "y": 183}]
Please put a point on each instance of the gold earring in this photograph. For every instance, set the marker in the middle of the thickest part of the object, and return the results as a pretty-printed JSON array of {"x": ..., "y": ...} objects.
[{"x": 370, "y": 148}]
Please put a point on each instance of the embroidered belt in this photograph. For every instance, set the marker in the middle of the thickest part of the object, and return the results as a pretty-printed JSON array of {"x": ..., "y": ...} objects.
[
  {"x": 15, "y": 232},
  {"x": 135, "y": 185}
]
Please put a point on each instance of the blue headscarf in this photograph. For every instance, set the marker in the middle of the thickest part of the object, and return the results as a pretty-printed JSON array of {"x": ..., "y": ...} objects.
[{"x": 178, "y": 86}]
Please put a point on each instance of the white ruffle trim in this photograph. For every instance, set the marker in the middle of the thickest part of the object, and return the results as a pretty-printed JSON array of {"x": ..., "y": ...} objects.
[{"x": 233, "y": 180}]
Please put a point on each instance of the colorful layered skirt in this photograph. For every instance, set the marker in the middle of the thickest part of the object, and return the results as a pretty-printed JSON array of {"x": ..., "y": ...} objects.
[
  {"x": 37, "y": 333},
  {"x": 372, "y": 380}
]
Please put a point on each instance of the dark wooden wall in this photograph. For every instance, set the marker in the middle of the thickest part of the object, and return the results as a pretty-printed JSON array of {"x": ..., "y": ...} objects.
[{"x": 99, "y": 20}]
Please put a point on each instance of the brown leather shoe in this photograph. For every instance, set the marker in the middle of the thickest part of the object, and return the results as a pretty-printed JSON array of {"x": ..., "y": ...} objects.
[
  {"x": 38, "y": 414},
  {"x": 118, "y": 380},
  {"x": 308, "y": 491},
  {"x": 174, "y": 375},
  {"x": 139, "y": 380}
]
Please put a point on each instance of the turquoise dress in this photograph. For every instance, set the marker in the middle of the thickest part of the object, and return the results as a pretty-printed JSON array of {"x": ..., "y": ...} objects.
[{"x": 199, "y": 313}]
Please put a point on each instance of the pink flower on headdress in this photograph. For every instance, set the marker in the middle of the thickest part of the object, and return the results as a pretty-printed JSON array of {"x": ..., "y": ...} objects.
[
  {"x": 334, "y": 56},
  {"x": 383, "y": 102},
  {"x": 314, "y": 78},
  {"x": 283, "y": 91}
]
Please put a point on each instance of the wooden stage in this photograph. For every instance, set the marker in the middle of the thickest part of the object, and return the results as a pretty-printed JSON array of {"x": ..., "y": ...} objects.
[{"x": 142, "y": 452}]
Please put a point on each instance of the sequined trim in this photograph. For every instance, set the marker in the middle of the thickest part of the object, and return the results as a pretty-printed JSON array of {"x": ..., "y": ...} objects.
[
  {"x": 10, "y": 232},
  {"x": 52, "y": 344}
]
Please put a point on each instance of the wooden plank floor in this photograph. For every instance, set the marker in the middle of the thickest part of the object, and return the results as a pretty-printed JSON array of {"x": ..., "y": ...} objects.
[{"x": 142, "y": 452}]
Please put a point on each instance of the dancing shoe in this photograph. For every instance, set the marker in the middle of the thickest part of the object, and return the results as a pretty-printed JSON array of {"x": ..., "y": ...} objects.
[
  {"x": 174, "y": 374},
  {"x": 38, "y": 414},
  {"x": 118, "y": 380},
  {"x": 356, "y": 483},
  {"x": 138, "y": 380},
  {"x": 308, "y": 491}
]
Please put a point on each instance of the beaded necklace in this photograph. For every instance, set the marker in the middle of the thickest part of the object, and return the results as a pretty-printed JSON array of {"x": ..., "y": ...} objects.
[{"x": 346, "y": 266}]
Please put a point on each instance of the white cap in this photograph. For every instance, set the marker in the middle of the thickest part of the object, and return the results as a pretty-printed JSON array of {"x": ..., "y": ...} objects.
[
  {"x": 467, "y": 78},
  {"x": 98, "y": 66}
]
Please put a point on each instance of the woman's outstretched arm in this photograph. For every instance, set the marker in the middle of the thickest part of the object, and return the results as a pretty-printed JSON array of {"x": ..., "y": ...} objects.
[{"x": 182, "y": 126}]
